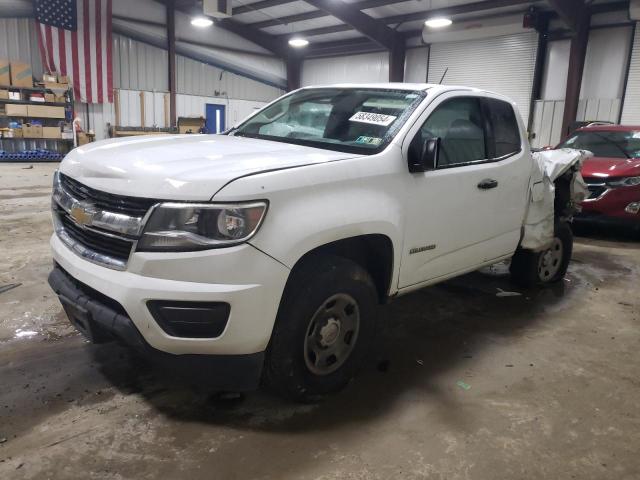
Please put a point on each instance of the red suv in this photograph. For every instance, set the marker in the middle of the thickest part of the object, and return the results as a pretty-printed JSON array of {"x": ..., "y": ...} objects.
[{"x": 612, "y": 174}]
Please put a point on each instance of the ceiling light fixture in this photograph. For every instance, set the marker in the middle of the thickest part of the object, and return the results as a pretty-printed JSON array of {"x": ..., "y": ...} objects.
[
  {"x": 298, "y": 42},
  {"x": 438, "y": 22},
  {"x": 201, "y": 22}
]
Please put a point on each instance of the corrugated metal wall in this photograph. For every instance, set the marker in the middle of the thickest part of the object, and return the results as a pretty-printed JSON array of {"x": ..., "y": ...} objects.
[
  {"x": 365, "y": 68},
  {"x": 503, "y": 65},
  {"x": 197, "y": 78},
  {"x": 631, "y": 109},
  {"x": 139, "y": 66},
  {"x": 19, "y": 41}
]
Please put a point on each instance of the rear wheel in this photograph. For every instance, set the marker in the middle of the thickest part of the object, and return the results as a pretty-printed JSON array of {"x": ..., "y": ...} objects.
[
  {"x": 529, "y": 268},
  {"x": 324, "y": 327}
]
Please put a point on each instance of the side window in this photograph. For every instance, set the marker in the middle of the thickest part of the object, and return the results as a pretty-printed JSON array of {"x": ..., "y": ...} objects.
[
  {"x": 459, "y": 124},
  {"x": 506, "y": 133}
]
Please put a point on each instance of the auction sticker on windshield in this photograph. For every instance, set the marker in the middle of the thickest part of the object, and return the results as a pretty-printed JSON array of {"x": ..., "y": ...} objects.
[{"x": 373, "y": 118}]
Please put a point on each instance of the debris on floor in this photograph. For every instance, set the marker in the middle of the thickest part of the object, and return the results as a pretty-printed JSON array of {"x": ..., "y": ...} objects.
[
  {"x": 505, "y": 293},
  {"x": 9, "y": 286}
]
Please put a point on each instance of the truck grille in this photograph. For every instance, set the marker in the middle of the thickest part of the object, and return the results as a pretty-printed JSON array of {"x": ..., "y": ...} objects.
[
  {"x": 115, "y": 247},
  {"x": 133, "y": 206},
  {"x": 596, "y": 188}
]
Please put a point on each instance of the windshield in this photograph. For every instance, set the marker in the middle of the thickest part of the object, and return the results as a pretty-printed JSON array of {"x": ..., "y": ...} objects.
[
  {"x": 344, "y": 119},
  {"x": 612, "y": 144}
]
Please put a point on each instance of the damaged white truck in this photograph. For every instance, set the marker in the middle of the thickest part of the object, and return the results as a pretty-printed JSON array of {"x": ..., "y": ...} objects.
[{"x": 264, "y": 250}]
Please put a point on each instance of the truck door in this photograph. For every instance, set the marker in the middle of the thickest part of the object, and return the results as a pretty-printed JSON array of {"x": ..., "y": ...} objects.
[{"x": 469, "y": 209}]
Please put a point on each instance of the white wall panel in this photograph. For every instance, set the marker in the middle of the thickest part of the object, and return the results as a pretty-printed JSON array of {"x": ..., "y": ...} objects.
[
  {"x": 631, "y": 108},
  {"x": 365, "y": 68},
  {"x": 556, "y": 68},
  {"x": 605, "y": 63},
  {"x": 503, "y": 65},
  {"x": 547, "y": 122},
  {"x": 415, "y": 65},
  {"x": 19, "y": 41}
]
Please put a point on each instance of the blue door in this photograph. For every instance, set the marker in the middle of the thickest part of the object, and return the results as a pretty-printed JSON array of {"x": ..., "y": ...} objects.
[{"x": 215, "y": 121}]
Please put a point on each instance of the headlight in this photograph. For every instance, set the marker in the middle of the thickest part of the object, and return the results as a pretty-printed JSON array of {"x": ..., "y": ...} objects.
[
  {"x": 625, "y": 182},
  {"x": 187, "y": 227}
]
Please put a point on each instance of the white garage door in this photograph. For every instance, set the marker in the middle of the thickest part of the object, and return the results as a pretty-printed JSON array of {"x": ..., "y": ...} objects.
[
  {"x": 631, "y": 107},
  {"x": 503, "y": 65}
]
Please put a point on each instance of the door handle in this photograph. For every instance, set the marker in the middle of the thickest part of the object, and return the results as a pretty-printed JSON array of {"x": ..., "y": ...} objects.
[{"x": 487, "y": 184}]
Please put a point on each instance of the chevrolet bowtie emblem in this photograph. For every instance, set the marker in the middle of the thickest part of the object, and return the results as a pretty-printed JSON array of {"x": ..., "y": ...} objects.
[{"x": 83, "y": 213}]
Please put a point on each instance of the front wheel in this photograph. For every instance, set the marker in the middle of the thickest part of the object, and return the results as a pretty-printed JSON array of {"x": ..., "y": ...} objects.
[
  {"x": 324, "y": 327},
  {"x": 530, "y": 268}
]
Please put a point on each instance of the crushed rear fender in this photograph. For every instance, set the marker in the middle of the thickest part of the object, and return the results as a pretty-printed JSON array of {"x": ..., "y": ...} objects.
[{"x": 547, "y": 167}]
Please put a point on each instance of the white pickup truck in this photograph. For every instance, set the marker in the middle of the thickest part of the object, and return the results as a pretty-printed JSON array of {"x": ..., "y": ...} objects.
[{"x": 264, "y": 250}]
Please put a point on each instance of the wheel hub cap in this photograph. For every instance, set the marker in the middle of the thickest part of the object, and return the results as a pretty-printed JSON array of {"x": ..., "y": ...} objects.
[
  {"x": 329, "y": 333},
  {"x": 332, "y": 334},
  {"x": 550, "y": 261}
]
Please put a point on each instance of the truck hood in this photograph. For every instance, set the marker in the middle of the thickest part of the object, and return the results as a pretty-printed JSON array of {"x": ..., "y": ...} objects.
[
  {"x": 182, "y": 167},
  {"x": 605, "y": 167}
]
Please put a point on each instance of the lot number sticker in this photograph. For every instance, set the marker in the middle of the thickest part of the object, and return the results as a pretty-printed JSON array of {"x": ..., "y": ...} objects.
[{"x": 373, "y": 118}]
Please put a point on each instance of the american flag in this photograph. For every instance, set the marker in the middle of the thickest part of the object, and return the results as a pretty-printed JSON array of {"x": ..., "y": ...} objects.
[{"x": 74, "y": 37}]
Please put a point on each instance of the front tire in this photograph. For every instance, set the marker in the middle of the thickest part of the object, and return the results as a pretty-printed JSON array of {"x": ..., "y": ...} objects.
[
  {"x": 325, "y": 324},
  {"x": 529, "y": 268}
]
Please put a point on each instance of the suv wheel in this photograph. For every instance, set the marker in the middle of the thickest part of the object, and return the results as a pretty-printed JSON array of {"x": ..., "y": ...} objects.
[
  {"x": 324, "y": 327},
  {"x": 530, "y": 268}
]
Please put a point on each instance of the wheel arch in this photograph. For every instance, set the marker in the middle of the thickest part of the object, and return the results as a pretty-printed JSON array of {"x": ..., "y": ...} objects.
[{"x": 373, "y": 252}]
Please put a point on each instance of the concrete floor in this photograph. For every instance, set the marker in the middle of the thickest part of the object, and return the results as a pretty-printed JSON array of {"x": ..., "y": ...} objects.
[{"x": 463, "y": 384}]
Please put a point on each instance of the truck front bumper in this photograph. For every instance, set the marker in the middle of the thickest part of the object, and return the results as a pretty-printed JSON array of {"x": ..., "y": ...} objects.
[
  {"x": 212, "y": 276},
  {"x": 102, "y": 319}
]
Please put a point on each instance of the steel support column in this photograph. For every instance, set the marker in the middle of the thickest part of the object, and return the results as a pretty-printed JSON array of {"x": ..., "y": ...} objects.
[
  {"x": 171, "y": 47},
  {"x": 577, "y": 54},
  {"x": 396, "y": 61}
]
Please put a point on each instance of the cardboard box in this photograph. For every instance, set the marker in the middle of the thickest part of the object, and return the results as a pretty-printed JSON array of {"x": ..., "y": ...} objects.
[
  {"x": 49, "y": 77},
  {"x": 5, "y": 77},
  {"x": 4, "y": 94},
  {"x": 51, "y": 132},
  {"x": 83, "y": 139},
  {"x": 56, "y": 86},
  {"x": 49, "y": 97},
  {"x": 32, "y": 131},
  {"x": 60, "y": 98},
  {"x": 44, "y": 111},
  {"x": 16, "y": 110},
  {"x": 21, "y": 74},
  {"x": 63, "y": 79},
  {"x": 17, "y": 133},
  {"x": 189, "y": 124}
]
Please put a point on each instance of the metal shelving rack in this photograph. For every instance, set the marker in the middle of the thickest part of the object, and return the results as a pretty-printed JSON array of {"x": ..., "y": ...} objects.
[{"x": 19, "y": 144}]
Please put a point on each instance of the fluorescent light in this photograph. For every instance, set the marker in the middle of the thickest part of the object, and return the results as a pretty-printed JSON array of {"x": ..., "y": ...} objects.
[
  {"x": 201, "y": 22},
  {"x": 298, "y": 42},
  {"x": 438, "y": 22}
]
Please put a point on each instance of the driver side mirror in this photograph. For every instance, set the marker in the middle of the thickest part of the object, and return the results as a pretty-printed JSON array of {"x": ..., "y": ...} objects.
[{"x": 423, "y": 154}]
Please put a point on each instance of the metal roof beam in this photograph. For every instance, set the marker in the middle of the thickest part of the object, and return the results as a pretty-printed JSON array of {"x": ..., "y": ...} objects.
[
  {"x": 570, "y": 11},
  {"x": 368, "y": 26},
  {"x": 367, "y": 4},
  {"x": 252, "y": 7}
]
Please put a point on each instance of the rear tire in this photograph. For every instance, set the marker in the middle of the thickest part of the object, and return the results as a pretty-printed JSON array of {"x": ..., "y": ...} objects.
[
  {"x": 529, "y": 268},
  {"x": 325, "y": 324}
]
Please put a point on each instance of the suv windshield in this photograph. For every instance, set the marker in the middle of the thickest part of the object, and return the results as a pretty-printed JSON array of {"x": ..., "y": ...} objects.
[
  {"x": 612, "y": 144},
  {"x": 344, "y": 119}
]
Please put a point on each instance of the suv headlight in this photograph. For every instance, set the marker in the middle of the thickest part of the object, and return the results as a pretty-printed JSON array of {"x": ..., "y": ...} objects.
[
  {"x": 625, "y": 182},
  {"x": 200, "y": 226}
]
